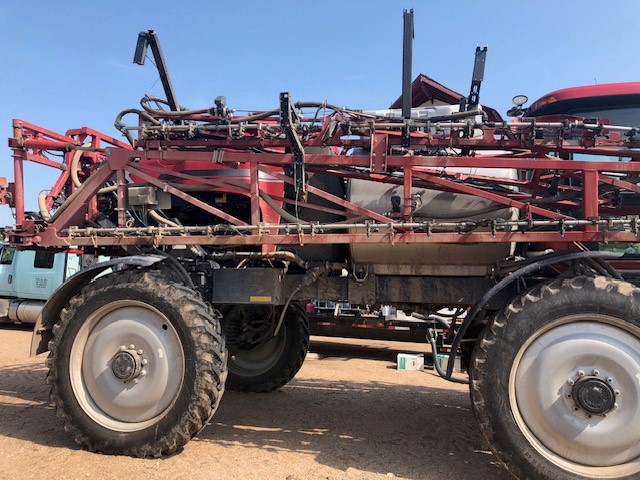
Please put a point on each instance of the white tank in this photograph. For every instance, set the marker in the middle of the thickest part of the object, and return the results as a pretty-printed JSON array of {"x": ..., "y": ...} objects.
[{"x": 431, "y": 259}]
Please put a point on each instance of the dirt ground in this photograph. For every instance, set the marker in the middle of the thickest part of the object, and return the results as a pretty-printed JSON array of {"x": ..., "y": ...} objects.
[{"x": 349, "y": 414}]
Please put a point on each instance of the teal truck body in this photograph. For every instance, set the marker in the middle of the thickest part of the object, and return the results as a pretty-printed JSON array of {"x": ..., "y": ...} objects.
[{"x": 28, "y": 278}]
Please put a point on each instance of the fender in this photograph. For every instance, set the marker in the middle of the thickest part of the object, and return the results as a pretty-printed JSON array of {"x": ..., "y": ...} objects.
[
  {"x": 540, "y": 262},
  {"x": 42, "y": 332}
]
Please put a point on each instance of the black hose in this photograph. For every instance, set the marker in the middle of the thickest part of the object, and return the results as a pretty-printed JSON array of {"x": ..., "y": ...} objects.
[
  {"x": 281, "y": 211},
  {"x": 167, "y": 113},
  {"x": 436, "y": 365},
  {"x": 293, "y": 219},
  {"x": 597, "y": 267},
  {"x": 177, "y": 267},
  {"x": 608, "y": 268},
  {"x": 267, "y": 114},
  {"x": 121, "y": 126},
  {"x": 532, "y": 267},
  {"x": 437, "y": 319}
]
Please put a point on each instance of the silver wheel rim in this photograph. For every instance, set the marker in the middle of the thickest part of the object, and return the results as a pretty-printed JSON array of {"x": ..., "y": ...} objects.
[
  {"x": 542, "y": 385},
  {"x": 261, "y": 359},
  {"x": 141, "y": 332}
]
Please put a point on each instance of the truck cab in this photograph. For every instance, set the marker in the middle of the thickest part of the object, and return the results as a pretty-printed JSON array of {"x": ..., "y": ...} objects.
[{"x": 28, "y": 278}]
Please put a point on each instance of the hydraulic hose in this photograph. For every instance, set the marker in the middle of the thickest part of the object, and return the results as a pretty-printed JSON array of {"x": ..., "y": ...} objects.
[
  {"x": 74, "y": 172},
  {"x": 249, "y": 118},
  {"x": 441, "y": 321},
  {"x": 121, "y": 126},
  {"x": 42, "y": 206},
  {"x": 281, "y": 211},
  {"x": 167, "y": 113},
  {"x": 293, "y": 219},
  {"x": 310, "y": 278},
  {"x": 160, "y": 219},
  {"x": 540, "y": 262},
  {"x": 436, "y": 365},
  {"x": 72, "y": 197}
]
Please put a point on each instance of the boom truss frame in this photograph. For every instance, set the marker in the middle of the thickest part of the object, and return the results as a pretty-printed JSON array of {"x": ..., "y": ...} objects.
[{"x": 558, "y": 197}]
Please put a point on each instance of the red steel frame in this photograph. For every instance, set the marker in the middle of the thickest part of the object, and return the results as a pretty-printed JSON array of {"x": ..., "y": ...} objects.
[{"x": 594, "y": 195}]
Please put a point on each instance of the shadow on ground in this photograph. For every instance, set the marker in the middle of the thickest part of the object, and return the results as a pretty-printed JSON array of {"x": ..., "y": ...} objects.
[
  {"x": 402, "y": 429},
  {"x": 408, "y": 430}
]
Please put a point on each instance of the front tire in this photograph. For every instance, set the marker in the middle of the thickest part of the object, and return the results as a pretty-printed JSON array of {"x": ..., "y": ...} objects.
[
  {"x": 137, "y": 364},
  {"x": 555, "y": 381}
]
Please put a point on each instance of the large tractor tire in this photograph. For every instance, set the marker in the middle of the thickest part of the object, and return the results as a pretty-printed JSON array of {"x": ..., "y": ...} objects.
[
  {"x": 137, "y": 364},
  {"x": 555, "y": 381},
  {"x": 270, "y": 364}
]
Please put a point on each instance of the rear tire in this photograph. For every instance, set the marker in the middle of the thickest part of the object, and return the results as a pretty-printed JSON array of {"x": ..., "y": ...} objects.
[
  {"x": 554, "y": 381},
  {"x": 137, "y": 364},
  {"x": 274, "y": 363}
]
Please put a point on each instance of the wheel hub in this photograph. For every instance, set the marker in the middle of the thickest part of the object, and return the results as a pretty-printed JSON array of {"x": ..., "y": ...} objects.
[
  {"x": 576, "y": 392},
  {"x": 594, "y": 395},
  {"x": 125, "y": 365}
]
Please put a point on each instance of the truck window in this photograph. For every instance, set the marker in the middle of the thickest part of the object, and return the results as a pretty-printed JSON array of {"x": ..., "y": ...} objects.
[
  {"x": 6, "y": 257},
  {"x": 44, "y": 260},
  {"x": 629, "y": 117}
]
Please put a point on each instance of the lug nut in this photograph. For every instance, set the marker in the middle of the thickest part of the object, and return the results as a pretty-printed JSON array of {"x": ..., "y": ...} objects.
[
  {"x": 576, "y": 408},
  {"x": 617, "y": 392},
  {"x": 571, "y": 382},
  {"x": 581, "y": 373},
  {"x": 139, "y": 352},
  {"x": 143, "y": 372},
  {"x": 132, "y": 346},
  {"x": 615, "y": 405},
  {"x": 568, "y": 395},
  {"x": 609, "y": 379},
  {"x": 122, "y": 348},
  {"x": 596, "y": 372},
  {"x": 144, "y": 361},
  {"x": 136, "y": 380}
]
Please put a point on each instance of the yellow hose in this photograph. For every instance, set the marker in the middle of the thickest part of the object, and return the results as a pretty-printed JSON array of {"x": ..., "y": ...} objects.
[
  {"x": 74, "y": 172},
  {"x": 160, "y": 219},
  {"x": 42, "y": 205}
]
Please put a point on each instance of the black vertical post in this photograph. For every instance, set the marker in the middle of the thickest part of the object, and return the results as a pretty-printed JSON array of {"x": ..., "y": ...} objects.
[
  {"x": 163, "y": 71},
  {"x": 476, "y": 79},
  {"x": 150, "y": 38},
  {"x": 407, "y": 55}
]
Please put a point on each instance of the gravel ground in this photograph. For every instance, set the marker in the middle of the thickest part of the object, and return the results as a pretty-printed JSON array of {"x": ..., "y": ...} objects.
[{"x": 349, "y": 414}]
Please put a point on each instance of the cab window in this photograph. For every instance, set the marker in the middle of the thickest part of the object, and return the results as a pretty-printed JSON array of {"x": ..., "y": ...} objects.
[
  {"x": 6, "y": 257},
  {"x": 44, "y": 259},
  {"x": 628, "y": 117}
]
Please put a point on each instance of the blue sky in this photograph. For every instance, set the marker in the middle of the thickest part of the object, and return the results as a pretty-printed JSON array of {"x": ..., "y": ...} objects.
[{"x": 69, "y": 64}]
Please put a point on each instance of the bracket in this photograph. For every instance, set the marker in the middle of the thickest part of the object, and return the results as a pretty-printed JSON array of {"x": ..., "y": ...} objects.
[{"x": 288, "y": 120}]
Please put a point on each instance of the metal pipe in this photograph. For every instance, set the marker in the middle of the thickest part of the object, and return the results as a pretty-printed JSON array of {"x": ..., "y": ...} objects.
[
  {"x": 414, "y": 124},
  {"x": 371, "y": 226},
  {"x": 18, "y": 197}
]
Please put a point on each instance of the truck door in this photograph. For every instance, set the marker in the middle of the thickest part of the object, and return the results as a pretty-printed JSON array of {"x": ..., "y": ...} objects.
[
  {"x": 7, "y": 274},
  {"x": 41, "y": 273}
]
